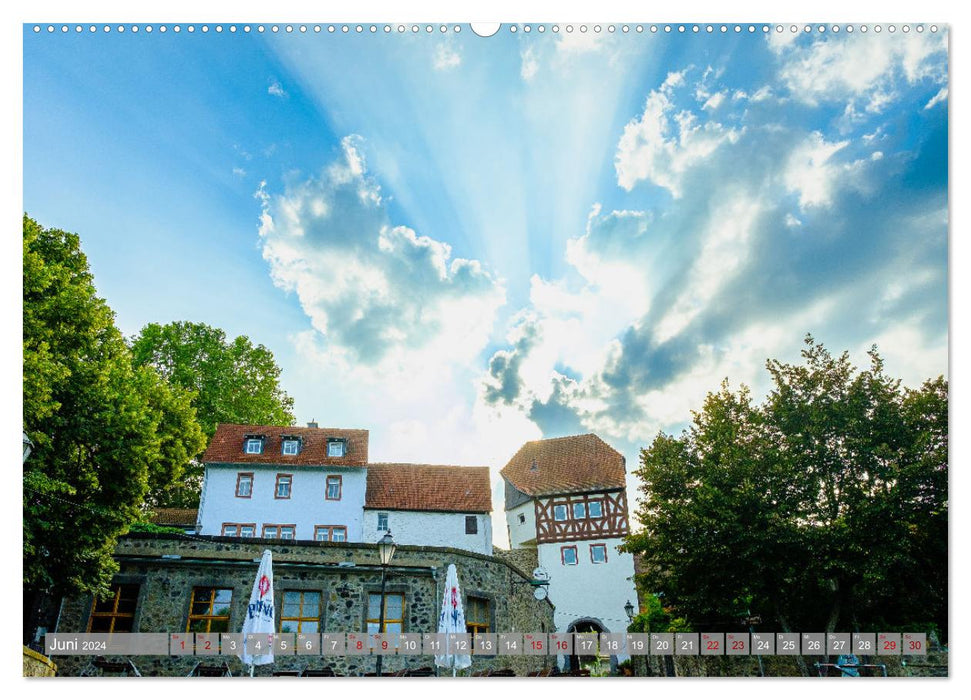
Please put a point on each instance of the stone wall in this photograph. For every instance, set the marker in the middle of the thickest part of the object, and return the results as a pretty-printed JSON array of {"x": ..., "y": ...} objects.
[
  {"x": 167, "y": 567},
  {"x": 523, "y": 558},
  {"x": 37, "y": 665}
]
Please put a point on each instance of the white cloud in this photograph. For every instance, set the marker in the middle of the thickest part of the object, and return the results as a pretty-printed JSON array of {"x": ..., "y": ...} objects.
[
  {"x": 838, "y": 68},
  {"x": 810, "y": 172},
  {"x": 579, "y": 42},
  {"x": 937, "y": 99},
  {"x": 239, "y": 172},
  {"x": 446, "y": 57},
  {"x": 384, "y": 300},
  {"x": 530, "y": 65},
  {"x": 661, "y": 144},
  {"x": 276, "y": 89}
]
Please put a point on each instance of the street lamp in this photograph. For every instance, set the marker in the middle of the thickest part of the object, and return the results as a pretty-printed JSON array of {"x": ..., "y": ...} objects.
[
  {"x": 386, "y": 550},
  {"x": 629, "y": 609}
]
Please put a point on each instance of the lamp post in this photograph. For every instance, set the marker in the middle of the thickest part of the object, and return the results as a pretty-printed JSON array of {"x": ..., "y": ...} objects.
[
  {"x": 629, "y": 609},
  {"x": 386, "y": 550}
]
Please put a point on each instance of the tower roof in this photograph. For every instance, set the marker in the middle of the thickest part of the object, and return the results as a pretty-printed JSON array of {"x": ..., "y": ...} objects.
[{"x": 574, "y": 464}]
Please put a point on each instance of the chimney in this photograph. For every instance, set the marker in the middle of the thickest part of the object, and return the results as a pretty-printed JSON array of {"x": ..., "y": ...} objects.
[{"x": 312, "y": 424}]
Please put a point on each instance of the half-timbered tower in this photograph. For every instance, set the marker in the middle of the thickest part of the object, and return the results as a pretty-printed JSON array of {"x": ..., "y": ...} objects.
[{"x": 566, "y": 497}]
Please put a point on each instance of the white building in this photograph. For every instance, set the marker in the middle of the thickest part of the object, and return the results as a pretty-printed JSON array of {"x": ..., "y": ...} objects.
[
  {"x": 280, "y": 482},
  {"x": 429, "y": 505},
  {"x": 566, "y": 498},
  {"x": 285, "y": 482}
]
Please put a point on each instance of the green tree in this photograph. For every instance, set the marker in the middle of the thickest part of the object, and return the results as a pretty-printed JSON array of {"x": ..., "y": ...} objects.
[
  {"x": 229, "y": 382},
  {"x": 824, "y": 507},
  {"x": 103, "y": 432}
]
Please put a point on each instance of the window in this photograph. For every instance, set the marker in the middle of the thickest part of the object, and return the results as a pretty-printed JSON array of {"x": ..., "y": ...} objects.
[
  {"x": 239, "y": 529},
  {"x": 283, "y": 484},
  {"x": 291, "y": 446},
  {"x": 283, "y": 532},
  {"x": 471, "y": 525},
  {"x": 579, "y": 511},
  {"x": 301, "y": 611},
  {"x": 595, "y": 509},
  {"x": 476, "y": 615},
  {"x": 568, "y": 555},
  {"x": 522, "y": 519},
  {"x": 559, "y": 512},
  {"x": 116, "y": 613},
  {"x": 394, "y": 612},
  {"x": 244, "y": 485},
  {"x": 209, "y": 610},
  {"x": 335, "y": 448},
  {"x": 598, "y": 553},
  {"x": 254, "y": 446},
  {"x": 330, "y": 533},
  {"x": 382, "y": 521},
  {"x": 333, "y": 488}
]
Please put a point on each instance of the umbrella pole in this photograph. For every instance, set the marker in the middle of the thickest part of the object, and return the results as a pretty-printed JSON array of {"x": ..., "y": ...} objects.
[{"x": 251, "y": 669}]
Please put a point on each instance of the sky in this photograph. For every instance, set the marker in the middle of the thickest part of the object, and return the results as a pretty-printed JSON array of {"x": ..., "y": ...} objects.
[{"x": 464, "y": 243}]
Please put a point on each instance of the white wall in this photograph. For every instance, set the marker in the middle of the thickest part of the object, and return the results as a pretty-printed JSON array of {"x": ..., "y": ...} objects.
[
  {"x": 305, "y": 508},
  {"x": 519, "y": 533},
  {"x": 589, "y": 590},
  {"x": 431, "y": 529}
]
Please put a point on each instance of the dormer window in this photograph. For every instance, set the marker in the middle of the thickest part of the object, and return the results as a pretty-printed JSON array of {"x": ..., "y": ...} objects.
[
  {"x": 336, "y": 448},
  {"x": 291, "y": 445},
  {"x": 253, "y": 445}
]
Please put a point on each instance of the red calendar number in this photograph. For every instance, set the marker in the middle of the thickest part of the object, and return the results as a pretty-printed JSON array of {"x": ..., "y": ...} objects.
[
  {"x": 737, "y": 645},
  {"x": 914, "y": 645},
  {"x": 890, "y": 645},
  {"x": 359, "y": 645},
  {"x": 537, "y": 644},
  {"x": 712, "y": 645},
  {"x": 562, "y": 646}
]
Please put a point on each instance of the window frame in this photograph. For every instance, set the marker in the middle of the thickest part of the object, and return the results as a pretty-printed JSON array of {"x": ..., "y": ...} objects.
[
  {"x": 259, "y": 442},
  {"x": 368, "y": 620},
  {"x": 301, "y": 618},
  {"x": 566, "y": 512},
  {"x": 576, "y": 556},
  {"x": 582, "y": 505},
  {"x": 522, "y": 518},
  {"x": 599, "y": 545},
  {"x": 212, "y": 601},
  {"x": 342, "y": 444},
  {"x": 276, "y": 486},
  {"x": 340, "y": 486},
  {"x": 114, "y": 616},
  {"x": 477, "y": 626},
  {"x": 474, "y": 521},
  {"x": 252, "y": 481},
  {"x": 279, "y": 528},
  {"x": 237, "y": 529},
  {"x": 600, "y": 506},
  {"x": 387, "y": 521},
  {"x": 330, "y": 532},
  {"x": 286, "y": 442}
]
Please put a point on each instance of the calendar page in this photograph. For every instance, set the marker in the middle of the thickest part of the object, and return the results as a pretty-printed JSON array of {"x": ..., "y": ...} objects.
[{"x": 424, "y": 348}]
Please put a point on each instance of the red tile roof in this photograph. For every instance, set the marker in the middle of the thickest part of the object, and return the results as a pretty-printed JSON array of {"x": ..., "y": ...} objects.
[
  {"x": 226, "y": 446},
  {"x": 575, "y": 464},
  {"x": 174, "y": 516},
  {"x": 428, "y": 487}
]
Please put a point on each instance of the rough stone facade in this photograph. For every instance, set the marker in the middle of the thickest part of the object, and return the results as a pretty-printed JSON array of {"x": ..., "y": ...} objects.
[
  {"x": 523, "y": 558},
  {"x": 167, "y": 567}
]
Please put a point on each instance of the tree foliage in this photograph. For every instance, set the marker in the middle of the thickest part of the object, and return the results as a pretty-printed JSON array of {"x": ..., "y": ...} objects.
[
  {"x": 104, "y": 432},
  {"x": 825, "y": 507},
  {"x": 228, "y": 381}
]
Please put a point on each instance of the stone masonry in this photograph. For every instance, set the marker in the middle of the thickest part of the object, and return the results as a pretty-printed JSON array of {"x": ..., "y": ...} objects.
[{"x": 167, "y": 567}]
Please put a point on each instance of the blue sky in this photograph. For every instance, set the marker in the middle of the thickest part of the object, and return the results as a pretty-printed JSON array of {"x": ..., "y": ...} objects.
[{"x": 463, "y": 243}]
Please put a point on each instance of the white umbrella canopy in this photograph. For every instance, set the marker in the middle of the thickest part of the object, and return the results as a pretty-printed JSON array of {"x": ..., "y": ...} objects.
[
  {"x": 260, "y": 613},
  {"x": 452, "y": 620}
]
